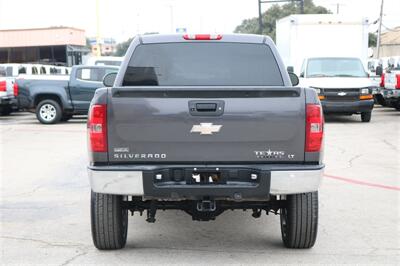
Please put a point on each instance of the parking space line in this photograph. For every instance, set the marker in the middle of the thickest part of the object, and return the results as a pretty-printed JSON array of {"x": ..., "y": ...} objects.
[{"x": 363, "y": 183}]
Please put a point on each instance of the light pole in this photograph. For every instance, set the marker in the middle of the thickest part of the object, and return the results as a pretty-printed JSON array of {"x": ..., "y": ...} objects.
[
  {"x": 98, "y": 52},
  {"x": 260, "y": 26},
  {"x": 378, "y": 39}
]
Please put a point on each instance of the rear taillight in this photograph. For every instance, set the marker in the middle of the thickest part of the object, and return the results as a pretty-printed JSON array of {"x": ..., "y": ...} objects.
[
  {"x": 15, "y": 88},
  {"x": 3, "y": 86},
  {"x": 398, "y": 81},
  {"x": 97, "y": 128},
  {"x": 382, "y": 83},
  {"x": 314, "y": 128},
  {"x": 202, "y": 37}
]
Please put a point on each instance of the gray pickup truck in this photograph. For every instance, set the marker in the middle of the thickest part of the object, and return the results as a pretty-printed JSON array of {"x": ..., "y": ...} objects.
[
  {"x": 57, "y": 98},
  {"x": 204, "y": 124}
]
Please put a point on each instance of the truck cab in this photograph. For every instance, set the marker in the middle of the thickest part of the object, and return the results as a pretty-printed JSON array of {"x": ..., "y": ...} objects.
[{"x": 342, "y": 84}]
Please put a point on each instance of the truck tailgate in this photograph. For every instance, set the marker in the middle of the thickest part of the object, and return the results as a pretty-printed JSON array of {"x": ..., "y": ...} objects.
[
  {"x": 197, "y": 124},
  {"x": 391, "y": 80}
]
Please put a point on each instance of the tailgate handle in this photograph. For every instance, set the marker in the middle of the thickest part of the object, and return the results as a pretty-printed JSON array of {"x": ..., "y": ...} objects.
[{"x": 206, "y": 107}]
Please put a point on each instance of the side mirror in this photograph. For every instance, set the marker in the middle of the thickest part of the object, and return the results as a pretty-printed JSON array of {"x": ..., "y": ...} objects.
[
  {"x": 294, "y": 78},
  {"x": 109, "y": 79},
  {"x": 290, "y": 69},
  {"x": 302, "y": 75},
  {"x": 379, "y": 70}
]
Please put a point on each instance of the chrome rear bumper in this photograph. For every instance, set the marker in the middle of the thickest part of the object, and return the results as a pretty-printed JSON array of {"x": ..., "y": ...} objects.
[
  {"x": 127, "y": 182},
  {"x": 295, "y": 182}
]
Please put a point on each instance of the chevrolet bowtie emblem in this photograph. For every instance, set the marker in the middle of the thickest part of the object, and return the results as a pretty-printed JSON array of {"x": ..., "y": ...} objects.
[
  {"x": 342, "y": 93},
  {"x": 205, "y": 128}
]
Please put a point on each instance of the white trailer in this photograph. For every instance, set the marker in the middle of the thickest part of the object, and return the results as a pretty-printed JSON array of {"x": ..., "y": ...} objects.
[{"x": 325, "y": 35}]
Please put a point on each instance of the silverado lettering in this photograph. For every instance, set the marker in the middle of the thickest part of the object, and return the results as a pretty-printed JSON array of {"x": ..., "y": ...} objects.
[{"x": 140, "y": 155}]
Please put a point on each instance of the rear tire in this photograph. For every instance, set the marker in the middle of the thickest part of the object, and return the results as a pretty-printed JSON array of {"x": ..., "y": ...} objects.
[
  {"x": 299, "y": 220},
  {"x": 109, "y": 221},
  {"x": 5, "y": 110},
  {"x": 366, "y": 116},
  {"x": 48, "y": 112},
  {"x": 380, "y": 100},
  {"x": 398, "y": 106}
]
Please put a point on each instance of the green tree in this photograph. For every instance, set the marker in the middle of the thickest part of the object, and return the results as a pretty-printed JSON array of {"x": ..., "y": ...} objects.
[
  {"x": 372, "y": 39},
  {"x": 121, "y": 48},
  {"x": 276, "y": 12}
]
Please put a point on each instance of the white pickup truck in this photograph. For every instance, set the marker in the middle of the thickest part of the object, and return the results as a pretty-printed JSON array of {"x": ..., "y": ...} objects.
[
  {"x": 8, "y": 92},
  {"x": 342, "y": 85},
  {"x": 391, "y": 89}
]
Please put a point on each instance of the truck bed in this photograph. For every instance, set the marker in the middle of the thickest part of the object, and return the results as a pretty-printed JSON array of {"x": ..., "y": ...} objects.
[{"x": 45, "y": 82}]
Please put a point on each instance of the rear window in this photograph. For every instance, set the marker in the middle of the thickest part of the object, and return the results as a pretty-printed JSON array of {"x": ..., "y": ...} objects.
[
  {"x": 202, "y": 64},
  {"x": 3, "y": 72},
  {"x": 22, "y": 70}
]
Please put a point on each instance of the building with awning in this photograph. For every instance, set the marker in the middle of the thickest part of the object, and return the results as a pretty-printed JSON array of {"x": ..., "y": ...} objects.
[
  {"x": 390, "y": 43},
  {"x": 54, "y": 45}
]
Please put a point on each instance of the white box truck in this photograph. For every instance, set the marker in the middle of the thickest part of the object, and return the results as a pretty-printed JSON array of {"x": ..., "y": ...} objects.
[
  {"x": 328, "y": 52},
  {"x": 322, "y": 35}
]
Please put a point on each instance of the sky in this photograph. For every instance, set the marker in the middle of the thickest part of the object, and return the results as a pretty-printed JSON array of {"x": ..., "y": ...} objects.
[{"x": 122, "y": 19}]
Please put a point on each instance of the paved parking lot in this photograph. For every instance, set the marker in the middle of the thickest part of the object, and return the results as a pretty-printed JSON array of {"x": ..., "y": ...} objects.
[{"x": 45, "y": 204}]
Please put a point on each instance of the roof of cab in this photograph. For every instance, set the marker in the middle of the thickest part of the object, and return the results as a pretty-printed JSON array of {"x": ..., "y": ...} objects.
[{"x": 239, "y": 38}]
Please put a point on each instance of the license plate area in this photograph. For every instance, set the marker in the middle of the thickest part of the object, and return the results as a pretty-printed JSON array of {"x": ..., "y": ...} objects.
[
  {"x": 200, "y": 182},
  {"x": 206, "y": 177}
]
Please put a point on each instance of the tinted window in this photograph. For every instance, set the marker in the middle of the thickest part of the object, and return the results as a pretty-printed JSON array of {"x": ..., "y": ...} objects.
[
  {"x": 22, "y": 70},
  {"x": 93, "y": 74},
  {"x": 34, "y": 71},
  {"x": 42, "y": 70},
  {"x": 335, "y": 67},
  {"x": 3, "y": 72},
  {"x": 207, "y": 64}
]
